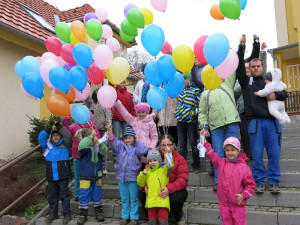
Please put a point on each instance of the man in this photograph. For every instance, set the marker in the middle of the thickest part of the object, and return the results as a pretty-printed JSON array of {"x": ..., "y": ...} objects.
[{"x": 264, "y": 130}]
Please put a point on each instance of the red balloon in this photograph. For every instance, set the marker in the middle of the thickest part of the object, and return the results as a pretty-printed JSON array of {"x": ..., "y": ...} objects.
[
  {"x": 198, "y": 49},
  {"x": 53, "y": 45},
  {"x": 166, "y": 48},
  {"x": 95, "y": 74},
  {"x": 66, "y": 53}
]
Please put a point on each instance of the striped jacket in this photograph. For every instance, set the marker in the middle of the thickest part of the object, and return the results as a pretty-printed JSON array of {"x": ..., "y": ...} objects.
[{"x": 187, "y": 106}]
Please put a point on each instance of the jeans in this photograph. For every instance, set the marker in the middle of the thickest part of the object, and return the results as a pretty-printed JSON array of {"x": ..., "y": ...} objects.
[
  {"x": 188, "y": 130},
  {"x": 76, "y": 165},
  {"x": 218, "y": 137},
  {"x": 129, "y": 192},
  {"x": 244, "y": 135},
  {"x": 59, "y": 190}
]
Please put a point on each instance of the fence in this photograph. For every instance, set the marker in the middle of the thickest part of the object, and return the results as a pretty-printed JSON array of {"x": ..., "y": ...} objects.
[{"x": 292, "y": 103}]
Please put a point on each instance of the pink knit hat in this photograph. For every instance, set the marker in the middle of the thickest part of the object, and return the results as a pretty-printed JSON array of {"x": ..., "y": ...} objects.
[
  {"x": 143, "y": 107},
  {"x": 232, "y": 141}
]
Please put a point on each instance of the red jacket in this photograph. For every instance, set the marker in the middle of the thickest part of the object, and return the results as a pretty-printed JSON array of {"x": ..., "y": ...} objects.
[{"x": 125, "y": 97}]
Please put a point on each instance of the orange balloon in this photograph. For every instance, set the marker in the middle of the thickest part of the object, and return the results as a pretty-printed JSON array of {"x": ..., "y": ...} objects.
[
  {"x": 70, "y": 96},
  {"x": 38, "y": 58},
  {"x": 78, "y": 29},
  {"x": 58, "y": 105},
  {"x": 216, "y": 13}
]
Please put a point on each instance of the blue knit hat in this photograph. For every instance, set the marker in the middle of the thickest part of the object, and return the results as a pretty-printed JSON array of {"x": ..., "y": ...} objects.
[{"x": 129, "y": 131}]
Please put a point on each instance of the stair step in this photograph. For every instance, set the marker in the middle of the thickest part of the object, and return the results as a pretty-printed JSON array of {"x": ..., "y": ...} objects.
[{"x": 291, "y": 132}]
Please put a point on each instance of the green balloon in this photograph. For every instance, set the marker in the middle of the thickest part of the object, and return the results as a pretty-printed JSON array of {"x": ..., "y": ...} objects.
[
  {"x": 94, "y": 29},
  {"x": 136, "y": 18},
  {"x": 63, "y": 31},
  {"x": 128, "y": 28},
  {"x": 230, "y": 8},
  {"x": 126, "y": 37}
]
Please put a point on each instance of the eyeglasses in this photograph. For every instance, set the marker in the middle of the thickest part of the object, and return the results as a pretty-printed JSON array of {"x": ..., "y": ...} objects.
[{"x": 164, "y": 145}]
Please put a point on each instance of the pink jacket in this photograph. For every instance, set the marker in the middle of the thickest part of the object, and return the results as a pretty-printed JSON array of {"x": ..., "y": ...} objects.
[
  {"x": 145, "y": 129},
  {"x": 233, "y": 178}
]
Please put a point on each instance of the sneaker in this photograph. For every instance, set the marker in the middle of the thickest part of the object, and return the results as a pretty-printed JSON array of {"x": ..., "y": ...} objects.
[
  {"x": 104, "y": 170},
  {"x": 215, "y": 187},
  {"x": 66, "y": 219},
  {"x": 260, "y": 188},
  {"x": 196, "y": 169},
  {"x": 274, "y": 189},
  {"x": 181, "y": 221},
  {"x": 124, "y": 221},
  {"x": 76, "y": 199},
  {"x": 50, "y": 218},
  {"x": 134, "y": 222}
]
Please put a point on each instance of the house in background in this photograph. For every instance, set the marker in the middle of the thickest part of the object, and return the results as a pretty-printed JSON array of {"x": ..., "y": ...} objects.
[{"x": 25, "y": 25}]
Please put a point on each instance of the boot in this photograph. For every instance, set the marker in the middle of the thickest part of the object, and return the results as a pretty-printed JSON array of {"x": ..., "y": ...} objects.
[
  {"x": 82, "y": 216},
  {"x": 163, "y": 222},
  {"x": 152, "y": 222},
  {"x": 98, "y": 213}
]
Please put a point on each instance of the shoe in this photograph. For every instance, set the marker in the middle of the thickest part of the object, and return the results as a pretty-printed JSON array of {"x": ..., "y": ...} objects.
[
  {"x": 196, "y": 169},
  {"x": 260, "y": 188},
  {"x": 98, "y": 213},
  {"x": 104, "y": 170},
  {"x": 211, "y": 171},
  {"x": 50, "y": 218},
  {"x": 82, "y": 216},
  {"x": 134, "y": 222},
  {"x": 124, "y": 221},
  {"x": 247, "y": 159},
  {"x": 181, "y": 221},
  {"x": 215, "y": 187},
  {"x": 66, "y": 219},
  {"x": 274, "y": 189},
  {"x": 76, "y": 199}
]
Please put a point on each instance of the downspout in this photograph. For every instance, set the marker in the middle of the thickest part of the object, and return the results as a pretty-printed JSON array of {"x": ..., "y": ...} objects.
[{"x": 272, "y": 55}]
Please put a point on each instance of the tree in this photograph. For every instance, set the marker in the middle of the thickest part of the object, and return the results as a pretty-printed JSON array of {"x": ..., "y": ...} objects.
[{"x": 136, "y": 58}]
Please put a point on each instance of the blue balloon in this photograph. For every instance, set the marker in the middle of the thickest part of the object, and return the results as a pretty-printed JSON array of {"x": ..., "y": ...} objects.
[
  {"x": 83, "y": 55},
  {"x": 18, "y": 69},
  {"x": 152, "y": 75},
  {"x": 174, "y": 86},
  {"x": 33, "y": 83},
  {"x": 30, "y": 64},
  {"x": 79, "y": 78},
  {"x": 216, "y": 48},
  {"x": 157, "y": 98},
  {"x": 60, "y": 78},
  {"x": 153, "y": 39},
  {"x": 165, "y": 67},
  {"x": 81, "y": 114},
  {"x": 243, "y": 4}
]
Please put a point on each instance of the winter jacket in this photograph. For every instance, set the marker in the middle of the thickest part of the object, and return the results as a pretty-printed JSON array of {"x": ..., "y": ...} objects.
[
  {"x": 125, "y": 97},
  {"x": 145, "y": 129},
  {"x": 233, "y": 178},
  {"x": 128, "y": 164},
  {"x": 73, "y": 129},
  {"x": 57, "y": 160},
  {"x": 102, "y": 116},
  {"x": 217, "y": 107},
  {"x": 137, "y": 94},
  {"x": 166, "y": 115}
]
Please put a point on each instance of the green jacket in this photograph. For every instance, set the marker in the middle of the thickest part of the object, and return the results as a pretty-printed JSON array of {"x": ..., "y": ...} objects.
[{"x": 217, "y": 107}]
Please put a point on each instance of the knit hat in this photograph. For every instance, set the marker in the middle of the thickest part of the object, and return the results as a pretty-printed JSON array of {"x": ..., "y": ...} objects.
[
  {"x": 85, "y": 132},
  {"x": 187, "y": 76},
  {"x": 232, "y": 141},
  {"x": 54, "y": 131},
  {"x": 143, "y": 107},
  {"x": 154, "y": 154},
  {"x": 129, "y": 131}
]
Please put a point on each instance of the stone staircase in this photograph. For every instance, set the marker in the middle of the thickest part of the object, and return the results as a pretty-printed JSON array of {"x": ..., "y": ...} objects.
[{"x": 202, "y": 206}]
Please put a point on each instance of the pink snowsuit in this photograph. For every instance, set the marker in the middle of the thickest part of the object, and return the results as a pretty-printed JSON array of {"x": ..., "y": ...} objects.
[{"x": 234, "y": 178}]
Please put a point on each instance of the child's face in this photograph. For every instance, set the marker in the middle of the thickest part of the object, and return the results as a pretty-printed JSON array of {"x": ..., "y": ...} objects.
[
  {"x": 152, "y": 163},
  {"x": 141, "y": 114},
  {"x": 55, "y": 137},
  {"x": 129, "y": 140},
  {"x": 231, "y": 152}
]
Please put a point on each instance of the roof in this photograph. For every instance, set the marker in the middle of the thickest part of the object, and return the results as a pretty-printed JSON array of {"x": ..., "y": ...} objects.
[{"x": 135, "y": 75}]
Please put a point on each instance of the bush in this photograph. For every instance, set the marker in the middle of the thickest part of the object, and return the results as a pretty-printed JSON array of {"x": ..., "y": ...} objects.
[{"x": 32, "y": 210}]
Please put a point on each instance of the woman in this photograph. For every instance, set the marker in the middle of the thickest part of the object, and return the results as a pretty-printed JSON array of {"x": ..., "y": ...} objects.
[{"x": 178, "y": 180}]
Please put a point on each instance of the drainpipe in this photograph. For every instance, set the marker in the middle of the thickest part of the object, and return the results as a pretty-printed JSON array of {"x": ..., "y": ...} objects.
[{"x": 272, "y": 55}]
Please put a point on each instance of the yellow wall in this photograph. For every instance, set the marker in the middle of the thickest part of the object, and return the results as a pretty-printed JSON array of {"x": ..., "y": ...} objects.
[{"x": 293, "y": 19}]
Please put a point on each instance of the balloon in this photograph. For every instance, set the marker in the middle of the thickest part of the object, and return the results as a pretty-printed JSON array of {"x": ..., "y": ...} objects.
[
  {"x": 101, "y": 14},
  {"x": 80, "y": 114},
  {"x": 128, "y": 28},
  {"x": 89, "y": 16},
  {"x": 61, "y": 62},
  {"x": 83, "y": 55},
  {"x": 95, "y": 74},
  {"x": 94, "y": 29},
  {"x": 198, "y": 49},
  {"x": 196, "y": 76},
  {"x": 216, "y": 48},
  {"x": 230, "y": 9},
  {"x": 79, "y": 78},
  {"x": 153, "y": 39},
  {"x": 128, "y": 7},
  {"x": 165, "y": 67},
  {"x": 159, "y": 5},
  {"x": 216, "y": 13},
  {"x": 26, "y": 93},
  {"x": 174, "y": 86},
  {"x": 29, "y": 64},
  {"x": 45, "y": 68},
  {"x": 108, "y": 77},
  {"x": 74, "y": 39},
  {"x": 228, "y": 66},
  {"x": 183, "y": 58},
  {"x": 107, "y": 96},
  {"x": 119, "y": 70},
  {"x": 114, "y": 44},
  {"x": 60, "y": 79},
  {"x": 151, "y": 73},
  {"x": 103, "y": 56},
  {"x": 107, "y": 31},
  {"x": 136, "y": 18},
  {"x": 166, "y": 48},
  {"x": 39, "y": 59},
  {"x": 53, "y": 45},
  {"x": 157, "y": 98},
  {"x": 33, "y": 84},
  {"x": 66, "y": 53},
  {"x": 243, "y": 4},
  {"x": 58, "y": 105},
  {"x": 148, "y": 15},
  {"x": 78, "y": 30},
  {"x": 48, "y": 55},
  {"x": 68, "y": 66},
  {"x": 209, "y": 78},
  {"x": 63, "y": 31},
  {"x": 126, "y": 37},
  {"x": 82, "y": 95},
  {"x": 70, "y": 96},
  {"x": 18, "y": 69}
]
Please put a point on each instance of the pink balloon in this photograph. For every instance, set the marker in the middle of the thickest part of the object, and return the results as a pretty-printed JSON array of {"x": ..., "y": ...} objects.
[
  {"x": 26, "y": 93},
  {"x": 53, "y": 45},
  {"x": 107, "y": 96},
  {"x": 166, "y": 48},
  {"x": 45, "y": 68},
  {"x": 101, "y": 14},
  {"x": 198, "y": 49},
  {"x": 61, "y": 62},
  {"x": 114, "y": 44},
  {"x": 103, "y": 56},
  {"x": 107, "y": 31},
  {"x": 48, "y": 55},
  {"x": 160, "y": 5},
  {"x": 228, "y": 66},
  {"x": 82, "y": 95}
]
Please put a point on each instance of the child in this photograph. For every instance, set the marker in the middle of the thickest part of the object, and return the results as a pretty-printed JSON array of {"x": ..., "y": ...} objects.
[
  {"x": 127, "y": 167},
  {"x": 56, "y": 141},
  {"x": 90, "y": 174},
  {"x": 156, "y": 177},
  {"x": 235, "y": 181}
]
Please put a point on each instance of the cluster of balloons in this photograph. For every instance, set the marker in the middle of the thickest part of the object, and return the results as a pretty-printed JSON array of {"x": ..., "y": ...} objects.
[{"x": 228, "y": 8}]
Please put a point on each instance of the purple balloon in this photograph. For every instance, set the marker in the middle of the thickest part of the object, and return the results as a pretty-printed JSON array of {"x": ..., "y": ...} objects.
[
  {"x": 196, "y": 76},
  {"x": 69, "y": 66},
  {"x": 128, "y": 7},
  {"x": 89, "y": 16}
]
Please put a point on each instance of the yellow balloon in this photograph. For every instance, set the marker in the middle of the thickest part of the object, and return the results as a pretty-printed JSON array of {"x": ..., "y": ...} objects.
[
  {"x": 118, "y": 70},
  {"x": 210, "y": 78},
  {"x": 74, "y": 40},
  {"x": 108, "y": 77},
  {"x": 78, "y": 29},
  {"x": 148, "y": 15},
  {"x": 183, "y": 58}
]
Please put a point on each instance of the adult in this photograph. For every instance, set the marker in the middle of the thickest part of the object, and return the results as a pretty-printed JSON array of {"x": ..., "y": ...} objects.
[
  {"x": 178, "y": 180},
  {"x": 141, "y": 88},
  {"x": 264, "y": 130}
]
